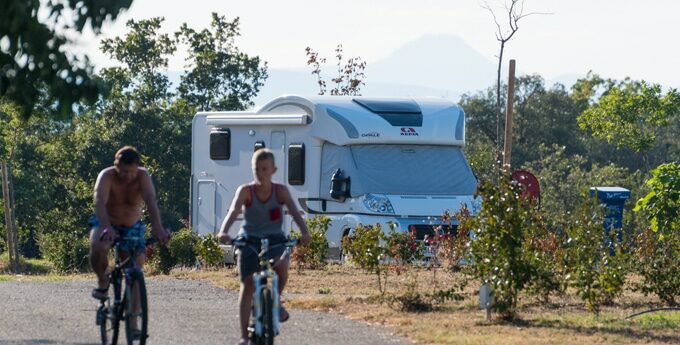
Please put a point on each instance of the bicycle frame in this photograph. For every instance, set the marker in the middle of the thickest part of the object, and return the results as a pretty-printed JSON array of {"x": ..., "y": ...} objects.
[
  {"x": 267, "y": 276},
  {"x": 260, "y": 279},
  {"x": 124, "y": 269}
]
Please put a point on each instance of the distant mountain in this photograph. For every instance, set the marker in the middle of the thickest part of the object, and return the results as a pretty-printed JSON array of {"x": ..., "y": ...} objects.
[
  {"x": 436, "y": 61},
  {"x": 433, "y": 65}
]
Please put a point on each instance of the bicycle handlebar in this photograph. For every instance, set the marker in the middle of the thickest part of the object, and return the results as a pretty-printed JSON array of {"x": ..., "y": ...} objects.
[{"x": 239, "y": 242}]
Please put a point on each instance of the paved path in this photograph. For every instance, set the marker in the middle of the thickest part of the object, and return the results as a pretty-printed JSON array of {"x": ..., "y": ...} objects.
[{"x": 181, "y": 312}]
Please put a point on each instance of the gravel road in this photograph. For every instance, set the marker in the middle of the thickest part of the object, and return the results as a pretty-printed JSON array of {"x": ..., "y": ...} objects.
[{"x": 181, "y": 312}]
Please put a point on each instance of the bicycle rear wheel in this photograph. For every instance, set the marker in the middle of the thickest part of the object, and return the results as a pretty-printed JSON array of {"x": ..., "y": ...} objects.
[
  {"x": 136, "y": 321},
  {"x": 268, "y": 332},
  {"x": 108, "y": 319}
]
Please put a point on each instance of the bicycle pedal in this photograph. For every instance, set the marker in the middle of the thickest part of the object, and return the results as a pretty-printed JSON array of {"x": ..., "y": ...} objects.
[{"x": 101, "y": 316}]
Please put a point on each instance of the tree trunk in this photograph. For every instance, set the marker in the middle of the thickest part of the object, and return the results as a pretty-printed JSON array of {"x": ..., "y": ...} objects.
[{"x": 8, "y": 198}]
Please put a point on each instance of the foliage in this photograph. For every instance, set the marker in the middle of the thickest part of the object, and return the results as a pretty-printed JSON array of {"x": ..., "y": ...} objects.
[
  {"x": 658, "y": 247},
  {"x": 412, "y": 300},
  {"x": 312, "y": 256},
  {"x": 502, "y": 251},
  {"x": 629, "y": 114},
  {"x": 596, "y": 261},
  {"x": 68, "y": 251},
  {"x": 363, "y": 246},
  {"x": 160, "y": 260},
  {"x": 209, "y": 252},
  {"x": 662, "y": 204},
  {"x": 220, "y": 76},
  {"x": 35, "y": 52},
  {"x": 657, "y": 261},
  {"x": 453, "y": 246},
  {"x": 183, "y": 247},
  {"x": 402, "y": 248},
  {"x": 541, "y": 115},
  {"x": 564, "y": 178},
  {"x": 350, "y": 75}
]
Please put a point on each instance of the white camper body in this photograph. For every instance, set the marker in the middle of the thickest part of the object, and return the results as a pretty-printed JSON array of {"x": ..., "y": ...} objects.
[{"x": 400, "y": 161}]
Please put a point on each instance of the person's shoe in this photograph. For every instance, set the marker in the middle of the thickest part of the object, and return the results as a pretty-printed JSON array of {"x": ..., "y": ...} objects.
[
  {"x": 100, "y": 294},
  {"x": 136, "y": 334},
  {"x": 243, "y": 342},
  {"x": 283, "y": 314}
]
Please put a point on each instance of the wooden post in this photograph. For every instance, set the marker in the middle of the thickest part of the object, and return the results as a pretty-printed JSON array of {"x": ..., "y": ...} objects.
[
  {"x": 12, "y": 238},
  {"x": 507, "y": 149}
]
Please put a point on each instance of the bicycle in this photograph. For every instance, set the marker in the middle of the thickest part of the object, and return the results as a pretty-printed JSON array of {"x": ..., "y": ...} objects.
[
  {"x": 264, "y": 322},
  {"x": 111, "y": 312}
]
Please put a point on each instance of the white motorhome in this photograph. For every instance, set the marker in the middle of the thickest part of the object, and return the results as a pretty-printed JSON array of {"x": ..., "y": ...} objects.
[{"x": 357, "y": 160}]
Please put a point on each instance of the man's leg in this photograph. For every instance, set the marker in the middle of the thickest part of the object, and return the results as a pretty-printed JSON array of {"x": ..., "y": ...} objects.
[
  {"x": 136, "y": 301},
  {"x": 245, "y": 299},
  {"x": 99, "y": 257}
]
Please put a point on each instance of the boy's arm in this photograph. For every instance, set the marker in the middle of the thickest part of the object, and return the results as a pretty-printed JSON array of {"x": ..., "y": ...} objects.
[
  {"x": 293, "y": 211},
  {"x": 234, "y": 211}
]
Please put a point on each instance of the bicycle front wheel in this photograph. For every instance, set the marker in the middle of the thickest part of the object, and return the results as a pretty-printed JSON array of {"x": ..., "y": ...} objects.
[
  {"x": 136, "y": 312},
  {"x": 108, "y": 319},
  {"x": 268, "y": 332}
]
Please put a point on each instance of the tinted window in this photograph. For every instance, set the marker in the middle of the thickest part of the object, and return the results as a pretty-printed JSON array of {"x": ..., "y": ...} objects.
[
  {"x": 220, "y": 144},
  {"x": 296, "y": 164}
]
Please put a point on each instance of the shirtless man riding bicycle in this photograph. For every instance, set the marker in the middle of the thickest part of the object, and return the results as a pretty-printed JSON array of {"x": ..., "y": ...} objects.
[{"x": 119, "y": 194}]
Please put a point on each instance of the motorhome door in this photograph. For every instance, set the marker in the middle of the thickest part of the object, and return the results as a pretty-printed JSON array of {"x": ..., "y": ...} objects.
[{"x": 206, "y": 207}]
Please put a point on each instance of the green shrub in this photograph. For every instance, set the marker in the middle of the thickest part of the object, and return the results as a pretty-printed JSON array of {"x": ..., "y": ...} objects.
[
  {"x": 312, "y": 256},
  {"x": 502, "y": 251},
  {"x": 68, "y": 251},
  {"x": 160, "y": 260},
  {"x": 363, "y": 246},
  {"x": 658, "y": 247},
  {"x": 403, "y": 248},
  {"x": 596, "y": 275},
  {"x": 182, "y": 247},
  {"x": 209, "y": 252}
]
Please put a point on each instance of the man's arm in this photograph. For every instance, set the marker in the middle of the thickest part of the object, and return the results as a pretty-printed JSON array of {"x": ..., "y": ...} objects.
[
  {"x": 293, "y": 211},
  {"x": 234, "y": 211},
  {"x": 149, "y": 196},
  {"x": 101, "y": 196}
]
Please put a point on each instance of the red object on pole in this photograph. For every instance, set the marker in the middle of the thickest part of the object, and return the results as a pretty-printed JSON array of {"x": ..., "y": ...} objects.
[{"x": 530, "y": 186}]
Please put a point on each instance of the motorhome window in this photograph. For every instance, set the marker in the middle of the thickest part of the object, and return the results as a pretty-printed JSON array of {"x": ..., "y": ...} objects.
[
  {"x": 259, "y": 145},
  {"x": 220, "y": 144},
  {"x": 296, "y": 164},
  {"x": 397, "y": 112},
  {"x": 399, "y": 169}
]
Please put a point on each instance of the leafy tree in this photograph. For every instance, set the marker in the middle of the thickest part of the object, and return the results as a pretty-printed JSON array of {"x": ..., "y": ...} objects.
[
  {"x": 541, "y": 116},
  {"x": 504, "y": 245},
  {"x": 35, "y": 55},
  {"x": 658, "y": 249},
  {"x": 631, "y": 114},
  {"x": 594, "y": 259},
  {"x": 220, "y": 76}
]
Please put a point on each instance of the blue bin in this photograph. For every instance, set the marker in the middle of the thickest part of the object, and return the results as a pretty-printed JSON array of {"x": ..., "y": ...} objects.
[{"x": 614, "y": 199}]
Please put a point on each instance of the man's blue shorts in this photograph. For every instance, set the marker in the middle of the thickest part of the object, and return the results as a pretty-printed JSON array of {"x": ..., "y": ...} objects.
[{"x": 136, "y": 230}]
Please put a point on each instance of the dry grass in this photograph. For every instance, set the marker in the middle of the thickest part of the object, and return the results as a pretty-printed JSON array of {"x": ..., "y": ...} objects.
[{"x": 350, "y": 292}]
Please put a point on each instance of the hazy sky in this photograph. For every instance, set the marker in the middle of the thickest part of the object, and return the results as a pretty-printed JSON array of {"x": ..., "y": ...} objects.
[{"x": 614, "y": 38}]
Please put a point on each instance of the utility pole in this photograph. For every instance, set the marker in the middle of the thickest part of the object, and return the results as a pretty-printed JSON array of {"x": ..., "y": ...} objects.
[
  {"x": 507, "y": 149},
  {"x": 8, "y": 198}
]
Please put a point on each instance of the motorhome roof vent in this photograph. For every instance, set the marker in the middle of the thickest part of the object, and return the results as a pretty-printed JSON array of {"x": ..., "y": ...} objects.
[{"x": 404, "y": 112}]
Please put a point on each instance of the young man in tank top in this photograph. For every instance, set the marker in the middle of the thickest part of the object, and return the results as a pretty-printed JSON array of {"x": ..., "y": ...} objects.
[{"x": 261, "y": 201}]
